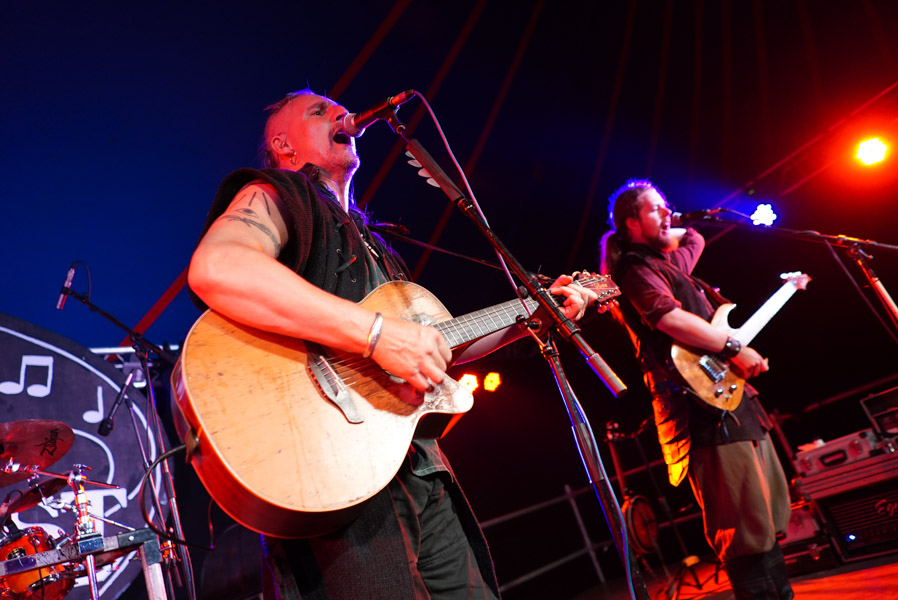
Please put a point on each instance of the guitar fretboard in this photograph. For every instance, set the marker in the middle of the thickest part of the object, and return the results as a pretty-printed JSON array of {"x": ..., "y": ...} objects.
[
  {"x": 480, "y": 323},
  {"x": 757, "y": 321},
  {"x": 483, "y": 322}
]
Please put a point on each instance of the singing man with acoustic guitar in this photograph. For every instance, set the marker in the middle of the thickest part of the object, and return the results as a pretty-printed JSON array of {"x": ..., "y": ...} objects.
[
  {"x": 726, "y": 454},
  {"x": 286, "y": 255}
]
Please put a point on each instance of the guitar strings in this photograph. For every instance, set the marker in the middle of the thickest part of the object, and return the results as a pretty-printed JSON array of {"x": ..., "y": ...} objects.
[
  {"x": 352, "y": 368},
  {"x": 456, "y": 331}
]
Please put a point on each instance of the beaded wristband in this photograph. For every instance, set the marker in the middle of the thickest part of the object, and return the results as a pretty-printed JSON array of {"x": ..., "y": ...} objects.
[
  {"x": 374, "y": 335},
  {"x": 731, "y": 348}
]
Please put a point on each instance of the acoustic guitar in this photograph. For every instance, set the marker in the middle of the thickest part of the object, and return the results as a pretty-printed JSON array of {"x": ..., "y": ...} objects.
[
  {"x": 290, "y": 438},
  {"x": 708, "y": 374}
]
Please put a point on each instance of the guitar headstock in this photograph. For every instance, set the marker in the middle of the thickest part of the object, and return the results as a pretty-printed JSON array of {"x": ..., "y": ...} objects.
[
  {"x": 797, "y": 278},
  {"x": 602, "y": 285}
]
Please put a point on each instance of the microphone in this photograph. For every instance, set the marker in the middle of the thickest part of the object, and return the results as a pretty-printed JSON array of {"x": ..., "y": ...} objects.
[
  {"x": 677, "y": 219},
  {"x": 354, "y": 124},
  {"x": 66, "y": 287},
  {"x": 106, "y": 424}
]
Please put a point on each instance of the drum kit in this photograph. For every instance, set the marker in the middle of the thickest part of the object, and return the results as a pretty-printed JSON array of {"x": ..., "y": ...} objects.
[{"x": 30, "y": 559}]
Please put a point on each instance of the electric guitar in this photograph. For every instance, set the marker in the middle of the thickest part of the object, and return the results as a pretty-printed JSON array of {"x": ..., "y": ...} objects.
[
  {"x": 290, "y": 438},
  {"x": 710, "y": 375}
]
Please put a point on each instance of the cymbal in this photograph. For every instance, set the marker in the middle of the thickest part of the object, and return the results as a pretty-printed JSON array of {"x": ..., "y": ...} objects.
[
  {"x": 31, "y": 443},
  {"x": 33, "y": 495}
]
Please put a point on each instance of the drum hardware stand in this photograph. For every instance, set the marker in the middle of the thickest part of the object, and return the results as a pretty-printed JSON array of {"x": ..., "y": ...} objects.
[
  {"x": 142, "y": 348},
  {"x": 87, "y": 538},
  {"x": 642, "y": 547},
  {"x": 689, "y": 560},
  {"x": 531, "y": 286}
]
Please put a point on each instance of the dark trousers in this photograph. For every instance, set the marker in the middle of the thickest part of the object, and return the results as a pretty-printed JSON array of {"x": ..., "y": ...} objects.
[
  {"x": 409, "y": 544},
  {"x": 441, "y": 559}
]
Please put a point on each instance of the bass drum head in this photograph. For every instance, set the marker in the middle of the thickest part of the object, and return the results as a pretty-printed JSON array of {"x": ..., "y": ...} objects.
[
  {"x": 46, "y": 376},
  {"x": 642, "y": 526}
]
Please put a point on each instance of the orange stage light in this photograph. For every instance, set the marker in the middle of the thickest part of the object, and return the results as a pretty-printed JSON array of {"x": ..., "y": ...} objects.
[
  {"x": 871, "y": 151},
  {"x": 492, "y": 381},
  {"x": 469, "y": 380}
]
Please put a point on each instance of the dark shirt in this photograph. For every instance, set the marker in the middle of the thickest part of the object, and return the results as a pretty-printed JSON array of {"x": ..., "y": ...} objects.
[
  {"x": 654, "y": 283},
  {"x": 330, "y": 248}
]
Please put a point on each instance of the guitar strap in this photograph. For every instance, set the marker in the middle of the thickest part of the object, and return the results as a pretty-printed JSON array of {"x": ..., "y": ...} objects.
[{"x": 717, "y": 299}]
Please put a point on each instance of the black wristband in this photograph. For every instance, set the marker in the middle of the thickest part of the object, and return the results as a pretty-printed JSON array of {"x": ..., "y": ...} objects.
[{"x": 731, "y": 348}]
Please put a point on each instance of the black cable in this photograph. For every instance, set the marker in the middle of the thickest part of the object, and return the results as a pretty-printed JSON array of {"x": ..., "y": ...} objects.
[{"x": 146, "y": 515}]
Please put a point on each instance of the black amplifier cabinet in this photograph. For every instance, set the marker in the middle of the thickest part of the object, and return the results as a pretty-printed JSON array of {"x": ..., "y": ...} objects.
[{"x": 858, "y": 503}]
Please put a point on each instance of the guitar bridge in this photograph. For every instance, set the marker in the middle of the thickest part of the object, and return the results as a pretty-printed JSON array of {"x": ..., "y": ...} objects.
[
  {"x": 713, "y": 368},
  {"x": 330, "y": 384}
]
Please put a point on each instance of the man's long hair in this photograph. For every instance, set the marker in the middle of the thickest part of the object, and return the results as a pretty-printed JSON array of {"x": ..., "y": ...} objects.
[{"x": 622, "y": 204}]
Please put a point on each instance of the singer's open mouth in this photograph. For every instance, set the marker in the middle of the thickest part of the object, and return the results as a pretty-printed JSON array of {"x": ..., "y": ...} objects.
[{"x": 341, "y": 138}]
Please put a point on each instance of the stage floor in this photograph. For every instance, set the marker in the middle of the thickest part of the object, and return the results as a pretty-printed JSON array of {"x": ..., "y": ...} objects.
[{"x": 871, "y": 578}]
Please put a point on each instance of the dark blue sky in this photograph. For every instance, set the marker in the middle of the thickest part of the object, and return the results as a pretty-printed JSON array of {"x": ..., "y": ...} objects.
[{"x": 119, "y": 121}]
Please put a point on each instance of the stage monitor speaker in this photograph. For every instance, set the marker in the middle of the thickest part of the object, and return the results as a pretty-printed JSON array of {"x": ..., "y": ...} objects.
[{"x": 858, "y": 503}]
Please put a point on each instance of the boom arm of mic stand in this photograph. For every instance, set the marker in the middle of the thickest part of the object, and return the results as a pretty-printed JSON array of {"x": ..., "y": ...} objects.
[
  {"x": 856, "y": 251},
  {"x": 135, "y": 337},
  {"x": 566, "y": 327}
]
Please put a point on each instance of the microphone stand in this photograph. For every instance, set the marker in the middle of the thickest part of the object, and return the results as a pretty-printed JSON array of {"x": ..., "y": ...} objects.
[
  {"x": 142, "y": 348},
  {"x": 583, "y": 435},
  {"x": 857, "y": 249}
]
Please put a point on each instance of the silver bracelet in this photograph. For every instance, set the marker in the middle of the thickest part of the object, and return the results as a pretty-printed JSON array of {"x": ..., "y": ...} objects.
[{"x": 374, "y": 335}]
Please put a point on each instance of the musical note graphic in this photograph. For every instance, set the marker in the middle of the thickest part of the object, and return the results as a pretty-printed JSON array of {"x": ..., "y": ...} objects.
[
  {"x": 35, "y": 390},
  {"x": 95, "y": 416}
]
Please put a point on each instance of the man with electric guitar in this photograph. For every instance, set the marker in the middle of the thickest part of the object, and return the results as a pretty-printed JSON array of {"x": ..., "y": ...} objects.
[
  {"x": 711, "y": 427},
  {"x": 301, "y": 289}
]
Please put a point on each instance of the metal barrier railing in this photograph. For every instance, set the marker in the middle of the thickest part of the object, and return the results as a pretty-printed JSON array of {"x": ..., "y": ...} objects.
[{"x": 589, "y": 546}]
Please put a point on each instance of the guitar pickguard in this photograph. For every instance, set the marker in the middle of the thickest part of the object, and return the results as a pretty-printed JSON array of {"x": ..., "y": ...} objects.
[{"x": 332, "y": 386}]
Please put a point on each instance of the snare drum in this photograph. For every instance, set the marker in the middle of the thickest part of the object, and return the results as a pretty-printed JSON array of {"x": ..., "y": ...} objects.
[{"x": 49, "y": 583}]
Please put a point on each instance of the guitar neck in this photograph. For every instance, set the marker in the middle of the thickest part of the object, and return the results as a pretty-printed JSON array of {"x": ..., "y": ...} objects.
[
  {"x": 757, "y": 321},
  {"x": 480, "y": 323}
]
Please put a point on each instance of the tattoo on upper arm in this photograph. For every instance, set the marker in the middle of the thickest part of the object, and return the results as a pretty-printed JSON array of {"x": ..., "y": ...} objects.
[
  {"x": 250, "y": 223},
  {"x": 258, "y": 197}
]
